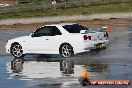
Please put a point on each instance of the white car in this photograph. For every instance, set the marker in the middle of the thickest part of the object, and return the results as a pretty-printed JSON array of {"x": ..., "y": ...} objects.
[{"x": 65, "y": 39}]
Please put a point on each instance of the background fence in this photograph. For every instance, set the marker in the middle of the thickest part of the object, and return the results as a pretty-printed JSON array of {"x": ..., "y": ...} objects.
[
  {"x": 43, "y": 8},
  {"x": 65, "y": 4}
]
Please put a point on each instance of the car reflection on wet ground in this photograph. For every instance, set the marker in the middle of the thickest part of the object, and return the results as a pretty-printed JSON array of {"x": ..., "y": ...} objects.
[
  {"x": 57, "y": 72},
  {"x": 52, "y": 71}
]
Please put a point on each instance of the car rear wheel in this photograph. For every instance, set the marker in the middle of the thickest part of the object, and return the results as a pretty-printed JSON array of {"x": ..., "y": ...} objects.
[
  {"x": 66, "y": 50},
  {"x": 16, "y": 50}
]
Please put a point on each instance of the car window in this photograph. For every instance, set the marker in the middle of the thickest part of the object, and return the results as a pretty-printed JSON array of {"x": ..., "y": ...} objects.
[
  {"x": 43, "y": 31},
  {"x": 47, "y": 31},
  {"x": 55, "y": 31},
  {"x": 75, "y": 28}
]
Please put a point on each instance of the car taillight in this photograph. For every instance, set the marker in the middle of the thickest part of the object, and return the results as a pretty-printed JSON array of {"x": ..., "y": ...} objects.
[
  {"x": 85, "y": 37},
  {"x": 89, "y": 37}
]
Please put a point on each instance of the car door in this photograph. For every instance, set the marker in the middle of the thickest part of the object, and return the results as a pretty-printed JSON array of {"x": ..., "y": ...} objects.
[
  {"x": 44, "y": 40},
  {"x": 39, "y": 40},
  {"x": 55, "y": 40}
]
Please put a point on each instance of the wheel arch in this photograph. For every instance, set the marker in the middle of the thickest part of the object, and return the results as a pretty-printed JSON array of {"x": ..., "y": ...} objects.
[{"x": 14, "y": 43}]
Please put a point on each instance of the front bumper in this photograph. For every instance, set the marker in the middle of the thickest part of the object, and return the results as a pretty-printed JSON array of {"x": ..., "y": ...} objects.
[{"x": 7, "y": 49}]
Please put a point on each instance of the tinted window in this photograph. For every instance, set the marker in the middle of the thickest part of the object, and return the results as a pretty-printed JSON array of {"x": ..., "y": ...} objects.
[
  {"x": 44, "y": 31},
  {"x": 47, "y": 31},
  {"x": 75, "y": 28},
  {"x": 55, "y": 31}
]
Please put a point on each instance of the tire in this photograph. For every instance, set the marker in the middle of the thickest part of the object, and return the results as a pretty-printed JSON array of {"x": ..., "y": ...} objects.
[
  {"x": 66, "y": 50},
  {"x": 16, "y": 50}
]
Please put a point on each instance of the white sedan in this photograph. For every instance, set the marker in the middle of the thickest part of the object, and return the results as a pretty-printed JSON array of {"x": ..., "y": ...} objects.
[{"x": 65, "y": 39}]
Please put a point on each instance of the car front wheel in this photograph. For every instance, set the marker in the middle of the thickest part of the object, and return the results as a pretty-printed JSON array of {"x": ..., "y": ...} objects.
[
  {"x": 66, "y": 50},
  {"x": 16, "y": 50}
]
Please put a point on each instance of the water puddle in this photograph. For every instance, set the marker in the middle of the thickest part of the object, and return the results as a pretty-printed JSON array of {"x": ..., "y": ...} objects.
[{"x": 35, "y": 69}]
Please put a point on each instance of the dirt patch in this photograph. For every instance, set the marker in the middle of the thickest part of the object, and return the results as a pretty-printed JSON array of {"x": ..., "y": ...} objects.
[{"x": 112, "y": 21}]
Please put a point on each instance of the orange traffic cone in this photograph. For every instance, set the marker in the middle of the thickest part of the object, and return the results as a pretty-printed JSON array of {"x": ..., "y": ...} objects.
[
  {"x": 108, "y": 28},
  {"x": 84, "y": 73}
]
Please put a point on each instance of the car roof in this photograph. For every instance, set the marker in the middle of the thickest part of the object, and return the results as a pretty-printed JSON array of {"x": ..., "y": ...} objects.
[{"x": 60, "y": 24}]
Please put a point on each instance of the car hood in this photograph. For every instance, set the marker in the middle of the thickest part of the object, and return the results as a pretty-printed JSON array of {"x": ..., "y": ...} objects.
[{"x": 20, "y": 38}]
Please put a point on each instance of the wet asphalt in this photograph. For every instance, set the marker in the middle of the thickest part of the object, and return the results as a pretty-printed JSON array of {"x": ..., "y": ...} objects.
[{"x": 53, "y": 71}]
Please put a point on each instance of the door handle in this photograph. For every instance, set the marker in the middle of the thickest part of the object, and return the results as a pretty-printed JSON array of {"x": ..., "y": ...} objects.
[{"x": 47, "y": 39}]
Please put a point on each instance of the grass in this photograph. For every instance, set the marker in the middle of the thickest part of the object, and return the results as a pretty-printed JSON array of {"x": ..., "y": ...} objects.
[{"x": 36, "y": 11}]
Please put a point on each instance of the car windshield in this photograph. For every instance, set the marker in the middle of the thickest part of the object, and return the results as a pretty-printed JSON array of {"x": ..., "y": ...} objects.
[{"x": 75, "y": 28}]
